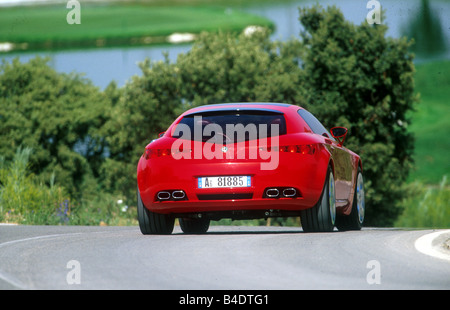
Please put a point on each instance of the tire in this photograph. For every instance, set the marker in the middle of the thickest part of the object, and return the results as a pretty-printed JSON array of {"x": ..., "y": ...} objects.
[
  {"x": 152, "y": 223},
  {"x": 355, "y": 220},
  {"x": 194, "y": 226},
  {"x": 322, "y": 217}
]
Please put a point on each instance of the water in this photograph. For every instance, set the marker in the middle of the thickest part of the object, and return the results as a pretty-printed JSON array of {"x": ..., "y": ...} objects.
[{"x": 429, "y": 24}]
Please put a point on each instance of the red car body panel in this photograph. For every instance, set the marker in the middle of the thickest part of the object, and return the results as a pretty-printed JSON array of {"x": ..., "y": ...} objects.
[{"x": 306, "y": 172}]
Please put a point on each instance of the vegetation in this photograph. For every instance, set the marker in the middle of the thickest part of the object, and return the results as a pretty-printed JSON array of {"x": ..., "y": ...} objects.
[
  {"x": 428, "y": 193},
  {"x": 24, "y": 199},
  {"x": 430, "y": 124},
  {"x": 91, "y": 140},
  {"x": 426, "y": 206},
  {"x": 57, "y": 115}
]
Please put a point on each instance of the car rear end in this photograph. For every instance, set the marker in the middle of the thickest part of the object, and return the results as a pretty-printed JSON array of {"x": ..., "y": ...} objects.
[{"x": 232, "y": 160}]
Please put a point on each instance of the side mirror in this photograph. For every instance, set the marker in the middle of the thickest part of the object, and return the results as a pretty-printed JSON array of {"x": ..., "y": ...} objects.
[
  {"x": 339, "y": 133},
  {"x": 161, "y": 134}
]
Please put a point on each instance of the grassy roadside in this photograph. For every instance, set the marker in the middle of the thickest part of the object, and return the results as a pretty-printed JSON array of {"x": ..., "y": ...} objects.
[
  {"x": 118, "y": 23},
  {"x": 428, "y": 190}
]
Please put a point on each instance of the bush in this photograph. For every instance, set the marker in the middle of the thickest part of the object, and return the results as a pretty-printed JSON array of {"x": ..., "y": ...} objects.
[
  {"x": 25, "y": 200},
  {"x": 58, "y": 116},
  {"x": 426, "y": 206}
]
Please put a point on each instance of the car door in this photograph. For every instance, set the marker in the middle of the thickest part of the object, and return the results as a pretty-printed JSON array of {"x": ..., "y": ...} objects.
[{"x": 343, "y": 170}]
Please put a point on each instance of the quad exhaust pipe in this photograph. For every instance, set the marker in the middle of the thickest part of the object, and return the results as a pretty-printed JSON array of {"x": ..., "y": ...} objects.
[
  {"x": 171, "y": 195},
  {"x": 286, "y": 192}
]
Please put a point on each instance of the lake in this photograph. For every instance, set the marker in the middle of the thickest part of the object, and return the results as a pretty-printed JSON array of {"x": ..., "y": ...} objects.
[{"x": 427, "y": 21}]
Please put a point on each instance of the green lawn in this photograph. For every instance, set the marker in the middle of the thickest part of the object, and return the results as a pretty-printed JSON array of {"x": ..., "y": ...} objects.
[
  {"x": 431, "y": 123},
  {"x": 116, "y": 24}
]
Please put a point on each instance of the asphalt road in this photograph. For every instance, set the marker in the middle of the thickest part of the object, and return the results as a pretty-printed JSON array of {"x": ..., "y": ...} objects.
[{"x": 226, "y": 258}]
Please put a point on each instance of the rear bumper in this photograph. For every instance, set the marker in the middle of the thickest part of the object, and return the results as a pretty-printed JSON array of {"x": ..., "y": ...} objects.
[
  {"x": 305, "y": 173},
  {"x": 197, "y": 206}
]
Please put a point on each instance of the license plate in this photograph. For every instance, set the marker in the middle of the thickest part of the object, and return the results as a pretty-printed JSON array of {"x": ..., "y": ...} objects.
[{"x": 225, "y": 181}]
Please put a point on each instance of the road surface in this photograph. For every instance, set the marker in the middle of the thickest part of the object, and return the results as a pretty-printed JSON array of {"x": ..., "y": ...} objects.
[{"x": 226, "y": 258}]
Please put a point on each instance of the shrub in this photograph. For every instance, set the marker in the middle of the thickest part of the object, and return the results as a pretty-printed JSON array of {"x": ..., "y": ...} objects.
[
  {"x": 25, "y": 200},
  {"x": 57, "y": 115},
  {"x": 426, "y": 206}
]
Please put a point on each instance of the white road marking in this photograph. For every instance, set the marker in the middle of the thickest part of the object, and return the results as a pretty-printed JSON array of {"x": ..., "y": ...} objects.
[{"x": 425, "y": 245}]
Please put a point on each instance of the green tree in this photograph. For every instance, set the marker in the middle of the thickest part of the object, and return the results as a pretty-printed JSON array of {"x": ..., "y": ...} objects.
[
  {"x": 225, "y": 68},
  {"x": 58, "y": 116},
  {"x": 358, "y": 78}
]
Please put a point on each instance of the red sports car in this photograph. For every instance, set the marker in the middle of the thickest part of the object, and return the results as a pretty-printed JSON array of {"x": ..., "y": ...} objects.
[{"x": 249, "y": 161}]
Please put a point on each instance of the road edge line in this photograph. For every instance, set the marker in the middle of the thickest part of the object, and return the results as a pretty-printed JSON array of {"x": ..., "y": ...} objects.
[{"x": 425, "y": 245}]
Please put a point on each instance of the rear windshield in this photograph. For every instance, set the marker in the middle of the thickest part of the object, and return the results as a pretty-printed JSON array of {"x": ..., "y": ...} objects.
[{"x": 230, "y": 126}]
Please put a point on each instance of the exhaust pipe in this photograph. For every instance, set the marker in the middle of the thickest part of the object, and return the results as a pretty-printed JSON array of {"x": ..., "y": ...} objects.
[
  {"x": 289, "y": 192},
  {"x": 272, "y": 192},
  {"x": 178, "y": 194},
  {"x": 163, "y": 195}
]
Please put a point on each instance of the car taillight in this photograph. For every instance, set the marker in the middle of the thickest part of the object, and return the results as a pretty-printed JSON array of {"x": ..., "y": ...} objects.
[
  {"x": 301, "y": 149},
  {"x": 153, "y": 153}
]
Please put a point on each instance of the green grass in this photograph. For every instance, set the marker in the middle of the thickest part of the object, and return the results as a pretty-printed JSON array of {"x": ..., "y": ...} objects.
[
  {"x": 428, "y": 193},
  {"x": 431, "y": 123},
  {"x": 44, "y": 27},
  {"x": 426, "y": 206}
]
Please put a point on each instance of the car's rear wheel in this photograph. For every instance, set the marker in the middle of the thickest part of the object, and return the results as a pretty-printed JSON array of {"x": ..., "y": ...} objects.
[
  {"x": 355, "y": 220},
  {"x": 322, "y": 217},
  {"x": 194, "y": 226},
  {"x": 152, "y": 223}
]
